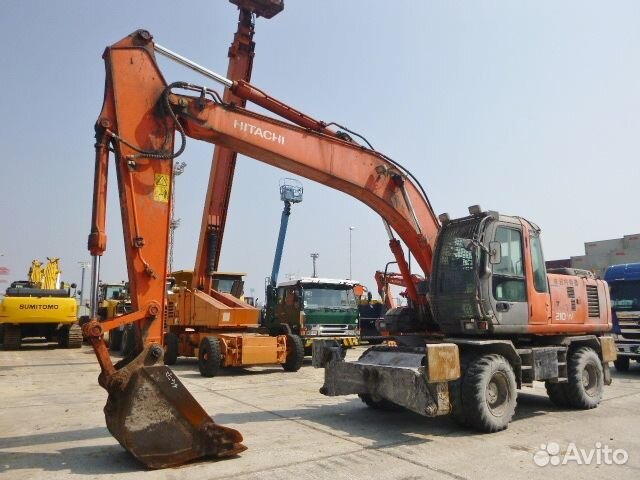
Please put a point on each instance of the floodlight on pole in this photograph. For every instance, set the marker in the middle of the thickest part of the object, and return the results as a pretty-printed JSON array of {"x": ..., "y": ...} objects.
[{"x": 314, "y": 256}]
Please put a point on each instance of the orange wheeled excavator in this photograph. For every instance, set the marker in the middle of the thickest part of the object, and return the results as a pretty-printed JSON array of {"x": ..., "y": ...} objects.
[{"x": 487, "y": 321}]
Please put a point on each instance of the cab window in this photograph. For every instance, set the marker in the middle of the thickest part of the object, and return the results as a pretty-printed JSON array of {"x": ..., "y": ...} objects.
[
  {"x": 537, "y": 260},
  {"x": 508, "y": 275}
]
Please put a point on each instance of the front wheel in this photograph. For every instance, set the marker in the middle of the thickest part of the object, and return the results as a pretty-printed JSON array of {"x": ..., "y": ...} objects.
[
  {"x": 295, "y": 354},
  {"x": 488, "y": 393},
  {"x": 209, "y": 357},
  {"x": 170, "y": 348}
]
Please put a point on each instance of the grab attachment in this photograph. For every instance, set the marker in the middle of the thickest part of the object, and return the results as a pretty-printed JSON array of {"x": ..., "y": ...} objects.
[{"x": 152, "y": 414}]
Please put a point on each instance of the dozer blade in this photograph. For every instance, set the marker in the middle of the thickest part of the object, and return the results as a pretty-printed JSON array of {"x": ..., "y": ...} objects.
[{"x": 151, "y": 413}]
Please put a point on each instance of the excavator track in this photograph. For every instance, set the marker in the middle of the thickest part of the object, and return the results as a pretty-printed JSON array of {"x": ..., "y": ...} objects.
[
  {"x": 70, "y": 336},
  {"x": 12, "y": 337},
  {"x": 74, "y": 337}
]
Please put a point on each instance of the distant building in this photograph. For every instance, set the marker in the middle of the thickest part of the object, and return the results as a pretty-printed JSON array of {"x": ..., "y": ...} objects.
[{"x": 599, "y": 255}]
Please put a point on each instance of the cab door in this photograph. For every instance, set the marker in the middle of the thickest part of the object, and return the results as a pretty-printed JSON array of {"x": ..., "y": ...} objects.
[
  {"x": 537, "y": 284},
  {"x": 508, "y": 285}
]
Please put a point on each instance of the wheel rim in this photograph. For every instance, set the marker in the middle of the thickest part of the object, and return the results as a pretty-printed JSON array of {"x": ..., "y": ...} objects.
[
  {"x": 590, "y": 379},
  {"x": 497, "y": 394}
]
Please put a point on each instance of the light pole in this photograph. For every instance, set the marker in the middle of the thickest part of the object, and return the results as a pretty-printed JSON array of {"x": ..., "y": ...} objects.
[
  {"x": 350, "y": 230},
  {"x": 84, "y": 266},
  {"x": 314, "y": 256}
]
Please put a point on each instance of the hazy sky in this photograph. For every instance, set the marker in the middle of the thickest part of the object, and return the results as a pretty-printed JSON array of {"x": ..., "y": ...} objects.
[{"x": 528, "y": 108}]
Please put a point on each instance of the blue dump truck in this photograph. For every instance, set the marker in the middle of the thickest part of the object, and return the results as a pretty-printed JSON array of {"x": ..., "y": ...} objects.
[{"x": 624, "y": 285}]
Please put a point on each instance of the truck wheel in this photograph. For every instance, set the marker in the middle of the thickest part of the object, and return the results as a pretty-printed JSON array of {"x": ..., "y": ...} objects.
[
  {"x": 622, "y": 364},
  {"x": 12, "y": 337},
  {"x": 74, "y": 336},
  {"x": 115, "y": 340},
  {"x": 170, "y": 348},
  {"x": 379, "y": 403},
  {"x": 557, "y": 393},
  {"x": 209, "y": 357},
  {"x": 489, "y": 393},
  {"x": 586, "y": 379},
  {"x": 295, "y": 354},
  {"x": 128, "y": 342}
]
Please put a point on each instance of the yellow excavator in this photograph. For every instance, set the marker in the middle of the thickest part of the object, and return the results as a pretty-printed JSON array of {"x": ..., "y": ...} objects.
[{"x": 40, "y": 307}]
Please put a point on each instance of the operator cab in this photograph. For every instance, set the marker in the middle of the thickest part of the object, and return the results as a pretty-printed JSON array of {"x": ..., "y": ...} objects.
[{"x": 488, "y": 274}]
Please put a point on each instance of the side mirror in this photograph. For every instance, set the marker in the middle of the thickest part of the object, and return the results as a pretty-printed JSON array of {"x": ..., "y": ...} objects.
[
  {"x": 495, "y": 252},
  {"x": 73, "y": 285}
]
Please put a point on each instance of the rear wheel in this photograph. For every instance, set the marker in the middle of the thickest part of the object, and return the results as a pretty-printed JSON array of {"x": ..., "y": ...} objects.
[
  {"x": 209, "y": 357},
  {"x": 295, "y": 354},
  {"x": 488, "y": 393},
  {"x": 586, "y": 379},
  {"x": 622, "y": 364},
  {"x": 12, "y": 337},
  {"x": 170, "y": 348}
]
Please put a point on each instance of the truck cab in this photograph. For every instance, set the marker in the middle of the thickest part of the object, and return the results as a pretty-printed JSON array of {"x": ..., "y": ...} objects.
[
  {"x": 319, "y": 308},
  {"x": 624, "y": 286}
]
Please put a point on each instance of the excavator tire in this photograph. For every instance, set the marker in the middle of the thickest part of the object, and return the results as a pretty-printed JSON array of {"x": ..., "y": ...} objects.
[
  {"x": 586, "y": 379},
  {"x": 295, "y": 354},
  {"x": 209, "y": 357},
  {"x": 489, "y": 393},
  {"x": 455, "y": 393},
  {"x": 557, "y": 393},
  {"x": 379, "y": 403},
  {"x": 170, "y": 348},
  {"x": 12, "y": 338}
]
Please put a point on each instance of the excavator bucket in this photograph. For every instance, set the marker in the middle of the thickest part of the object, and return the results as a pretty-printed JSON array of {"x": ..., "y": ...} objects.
[{"x": 151, "y": 413}]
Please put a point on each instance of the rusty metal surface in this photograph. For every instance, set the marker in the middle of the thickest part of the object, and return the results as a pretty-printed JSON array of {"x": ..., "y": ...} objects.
[
  {"x": 155, "y": 418},
  {"x": 609, "y": 351},
  {"x": 443, "y": 362}
]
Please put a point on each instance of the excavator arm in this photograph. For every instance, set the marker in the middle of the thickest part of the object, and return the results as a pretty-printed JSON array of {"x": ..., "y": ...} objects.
[{"x": 139, "y": 118}]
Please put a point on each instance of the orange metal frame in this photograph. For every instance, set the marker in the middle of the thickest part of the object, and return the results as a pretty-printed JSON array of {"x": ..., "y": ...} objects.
[{"x": 135, "y": 124}]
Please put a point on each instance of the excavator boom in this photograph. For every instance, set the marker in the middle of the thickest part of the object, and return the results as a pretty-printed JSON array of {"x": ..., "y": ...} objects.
[{"x": 147, "y": 404}]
